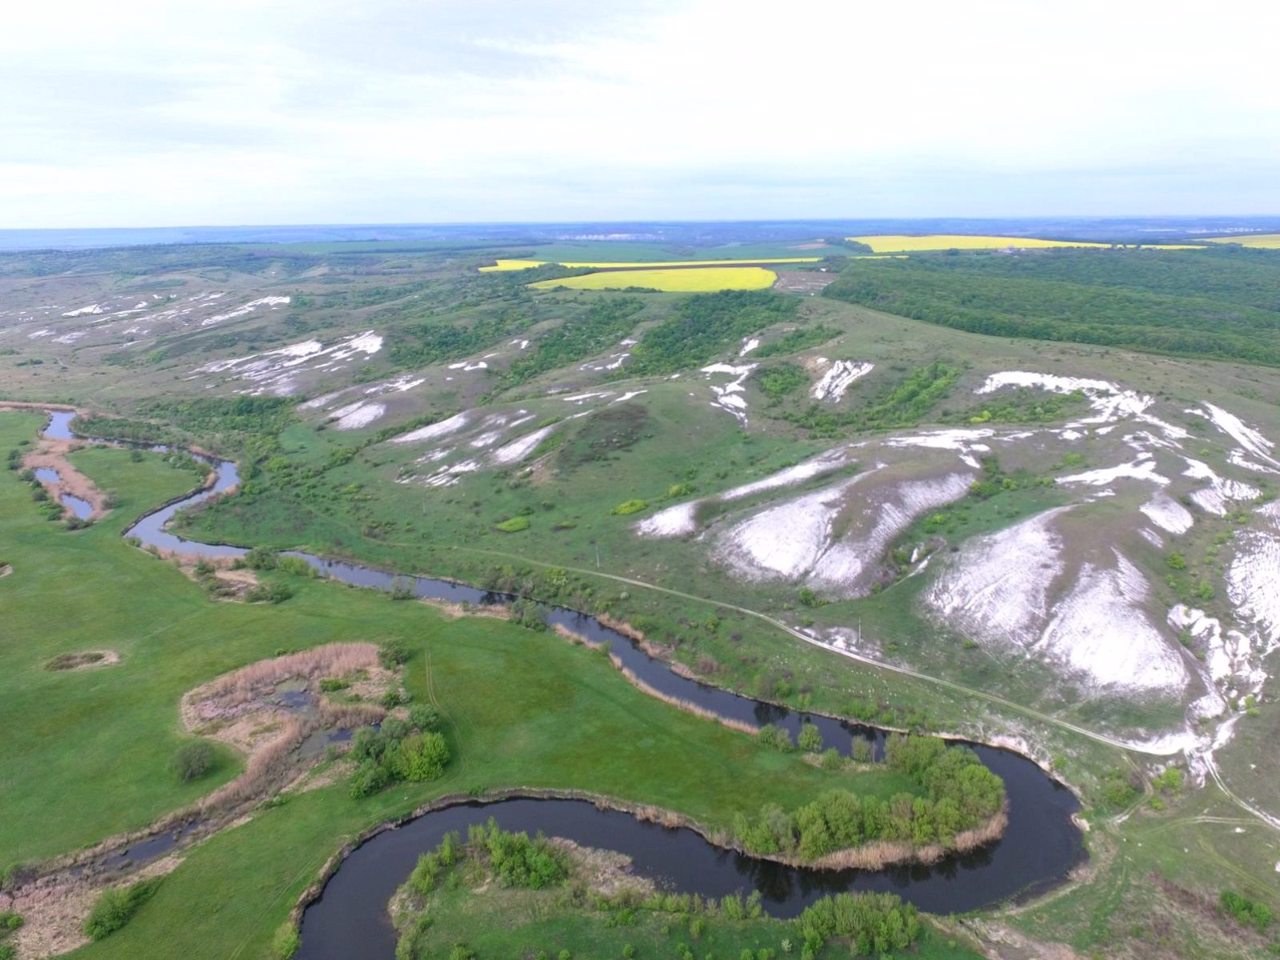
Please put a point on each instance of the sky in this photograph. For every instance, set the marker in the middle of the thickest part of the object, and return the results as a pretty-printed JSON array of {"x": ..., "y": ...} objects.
[{"x": 168, "y": 112}]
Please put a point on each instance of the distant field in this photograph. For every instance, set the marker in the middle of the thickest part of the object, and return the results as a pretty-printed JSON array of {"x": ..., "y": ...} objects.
[
  {"x": 502, "y": 265},
  {"x": 676, "y": 280},
  {"x": 1263, "y": 241},
  {"x": 902, "y": 243}
]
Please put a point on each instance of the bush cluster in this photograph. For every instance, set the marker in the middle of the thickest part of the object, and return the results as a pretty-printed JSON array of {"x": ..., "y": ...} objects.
[
  {"x": 959, "y": 793},
  {"x": 518, "y": 860},
  {"x": 413, "y": 750},
  {"x": 1247, "y": 912},
  {"x": 193, "y": 760},
  {"x": 873, "y": 923},
  {"x": 116, "y": 907}
]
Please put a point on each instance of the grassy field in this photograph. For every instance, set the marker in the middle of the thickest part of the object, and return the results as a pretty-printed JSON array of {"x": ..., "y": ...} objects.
[{"x": 675, "y": 280}]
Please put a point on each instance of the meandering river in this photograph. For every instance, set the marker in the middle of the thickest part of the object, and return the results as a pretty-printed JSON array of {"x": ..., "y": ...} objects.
[{"x": 349, "y": 918}]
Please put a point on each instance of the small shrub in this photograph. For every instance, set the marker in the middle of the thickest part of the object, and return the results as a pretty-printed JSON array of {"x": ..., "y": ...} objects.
[
  {"x": 116, "y": 907},
  {"x": 393, "y": 698},
  {"x": 394, "y": 653},
  {"x": 1248, "y": 912},
  {"x": 422, "y": 757},
  {"x": 425, "y": 717},
  {"x": 810, "y": 739},
  {"x": 260, "y": 558},
  {"x": 269, "y": 593},
  {"x": 513, "y": 525},
  {"x": 630, "y": 506},
  {"x": 193, "y": 760},
  {"x": 863, "y": 751},
  {"x": 775, "y": 737}
]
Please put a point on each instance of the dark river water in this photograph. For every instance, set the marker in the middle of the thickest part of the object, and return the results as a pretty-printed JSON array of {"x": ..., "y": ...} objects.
[{"x": 349, "y": 919}]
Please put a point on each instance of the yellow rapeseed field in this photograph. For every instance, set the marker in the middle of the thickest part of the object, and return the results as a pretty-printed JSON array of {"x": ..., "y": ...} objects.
[
  {"x": 511, "y": 265},
  {"x": 1265, "y": 241},
  {"x": 639, "y": 264},
  {"x": 902, "y": 243},
  {"x": 705, "y": 280},
  {"x": 654, "y": 264},
  {"x": 899, "y": 243}
]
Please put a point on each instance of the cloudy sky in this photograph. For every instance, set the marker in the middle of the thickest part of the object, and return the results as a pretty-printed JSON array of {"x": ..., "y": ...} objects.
[{"x": 168, "y": 112}]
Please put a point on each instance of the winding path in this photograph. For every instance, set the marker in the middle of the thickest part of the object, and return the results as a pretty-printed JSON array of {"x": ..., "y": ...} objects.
[{"x": 1158, "y": 750}]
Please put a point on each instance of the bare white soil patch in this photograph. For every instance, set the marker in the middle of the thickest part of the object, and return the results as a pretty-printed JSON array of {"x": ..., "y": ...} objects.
[
  {"x": 997, "y": 590},
  {"x": 729, "y": 396},
  {"x": 880, "y": 521},
  {"x": 813, "y": 467},
  {"x": 798, "y": 540},
  {"x": 246, "y": 309},
  {"x": 1167, "y": 514},
  {"x": 1101, "y": 630},
  {"x": 1143, "y": 468},
  {"x": 1109, "y": 401},
  {"x": 92, "y": 308},
  {"x": 276, "y": 371},
  {"x": 435, "y": 430},
  {"x": 677, "y": 521},
  {"x": 1230, "y": 657},
  {"x": 839, "y": 377},
  {"x": 965, "y": 441},
  {"x": 1221, "y": 492},
  {"x": 356, "y": 415},
  {"x": 517, "y": 450},
  {"x": 1248, "y": 437},
  {"x": 786, "y": 540},
  {"x": 1253, "y": 578}
]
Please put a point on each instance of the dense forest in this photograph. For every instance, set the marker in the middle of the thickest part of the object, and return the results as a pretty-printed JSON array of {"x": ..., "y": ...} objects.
[{"x": 1203, "y": 305}]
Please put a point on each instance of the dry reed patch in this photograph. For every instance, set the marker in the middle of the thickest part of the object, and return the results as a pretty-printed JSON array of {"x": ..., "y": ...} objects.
[
  {"x": 5, "y": 569},
  {"x": 54, "y": 908},
  {"x": 315, "y": 780},
  {"x": 242, "y": 709},
  {"x": 605, "y": 872},
  {"x": 455, "y": 611},
  {"x": 52, "y": 454},
  {"x": 83, "y": 660},
  {"x": 224, "y": 582},
  {"x": 259, "y": 680},
  {"x": 881, "y": 853}
]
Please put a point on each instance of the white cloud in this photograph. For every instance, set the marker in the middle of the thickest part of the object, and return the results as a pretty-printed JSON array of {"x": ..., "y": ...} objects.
[{"x": 160, "y": 113}]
